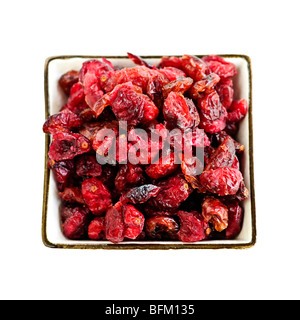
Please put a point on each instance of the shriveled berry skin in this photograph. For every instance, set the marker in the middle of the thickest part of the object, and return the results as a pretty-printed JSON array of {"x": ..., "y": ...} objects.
[
  {"x": 220, "y": 66},
  {"x": 67, "y": 80},
  {"x": 222, "y": 181},
  {"x": 193, "y": 228},
  {"x": 140, "y": 194},
  {"x": 212, "y": 113},
  {"x": 62, "y": 121},
  {"x": 134, "y": 222},
  {"x": 180, "y": 85},
  {"x": 161, "y": 227},
  {"x": 180, "y": 112},
  {"x": 194, "y": 67},
  {"x": 163, "y": 167},
  {"x": 67, "y": 146},
  {"x": 114, "y": 224},
  {"x": 235, "y": 219},
  {"x": 237, "y": 110},
  {"x": 224, "y": 156},
  {"x": 174, "y": 62},
  {"x": 72, "y": 194},
  {"x": 62, "y": 172},
  {"x": 128, "y": 176},
  {"x": 139, "y": 60},
  {"x": 96, "y": 229},
  {"x": 174, "y": 191},
  {"x": 225, "y": 92},
  {"x": 216, "y": 213},
  {"x": 87, "y": 165},
  {"x": 75, "y": 222},
  {"x": 172, "y": 73},
  {"x": 96, "y": 195},
  {"x": 205, "y": 85}
]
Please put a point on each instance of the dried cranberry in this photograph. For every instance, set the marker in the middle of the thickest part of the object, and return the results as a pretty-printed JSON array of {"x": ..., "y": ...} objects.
[
  {"x": 140, "y": 194},
  {"x": 222, "y": 181},
  {"x": 163, "y": 167},
  {"x": 67, "y": 80},
  {"x": 96, "y": 229},
  {"x": 180, "y": 112},
  {"x": 96, "y": 196},
  {"x": 220, "y": 66},
  {"x": 180, "y": 85},
  {"x": 76, "y": 222},
  {"x": 114, "y": 224},
  {"x": 194, "y": 67},
  {"x": 237, "y": 111},
  {"x": 174, "y": 191},
  {"x": 161, "y": 227},
  {"x": 215, "y": 212},
  {"x": 66, "y": 146},
  {"x": 129, "y": 176},
  {"x": 139, "y": 61},
  {"x": 193, "y": 228},
  {"x": 235, "y": 219},
  {"x": 72, "y": 194},
  {"x": 225, "y": 92},
  {"x": 62, "y": 171},
  {"x": 87, "y": 165},
  {"x": 134, "y": 222},
  {"x": 62, "y": 121},
  {"x": 205, "y": 85},
  {"x": 172, "y": 73}
]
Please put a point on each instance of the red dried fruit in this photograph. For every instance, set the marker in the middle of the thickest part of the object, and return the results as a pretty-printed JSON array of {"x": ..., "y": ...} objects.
[
  {"x": 140, "y": 194},
  {"x": 180, "y": 85},
  {"x": 237, "y": 111},
  {"x": 96, "y": 195},
  {"x": 87, "y": 165},
  {"x": 222, "y": 181},
  {"x": 139, "y": 61},
  {"x": 139, "y": 76},
  {"x": 92, "y": 76},
  {"x": 223, "y": 156},
  {"x": 212, "y": 113},
  {"x": 134, "y": 222},
  {"x": 160, "y": 227},
  {"x": 62, "y": 121},
  {"x": 129, "y": 176},
  {"x": 67, "y": 80},
  {"x": 222, "y": 135},
  {"x": 75, "y": 222},
  {"x": 235, "y": 219},
  {"x": 215, "y": 212},
  {"x": 163, "y": 167},
  {"x": 205, "y": 85},
  {"x": 180, "y": 112},
  {"x": 191, "y": 167},
  {"x": 172, "y": 73},
  {"x": 225, "y": 92},
  {"x": 155, "y": 89},
  {"x": 192, "y": 227},
  {"x": 194, "y": 67},
  {"x": 128, "y": 104},
  {"x": 174, "y": 62},
  {"x": 174, "y": 191},
  {"x": 66, "y": 146},
  {"x": 114, "y": 224},
  {"x": 220, "y": 66},
  {"x": 62, "y": 171},
  {"x": 96, "y": 229},
  {"x": 72, "y": 194}
]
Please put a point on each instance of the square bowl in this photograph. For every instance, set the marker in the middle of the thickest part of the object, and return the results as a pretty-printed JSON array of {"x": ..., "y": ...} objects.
[{"x": 52, "y": 235}]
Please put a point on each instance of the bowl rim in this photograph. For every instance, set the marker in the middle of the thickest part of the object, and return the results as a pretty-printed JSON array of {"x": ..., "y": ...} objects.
[{"x": 148, "y": 246}]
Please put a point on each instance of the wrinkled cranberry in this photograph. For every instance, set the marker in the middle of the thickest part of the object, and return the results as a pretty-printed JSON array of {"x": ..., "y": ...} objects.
[
  {"x": 140, "y": 194},
  {"x": 220, "y": 66},
  {"x": 96, "y": 196},
  {"x": 114, "y": 224},
  {"x": 163, "y": 167},
  {"x": 193, "y": 228},
  {"x": 128, "y": 176},
  {"x": 237, "y": 110},
  {"x": 67, "y": 80},
  {"x": 72, "y": 194},
  {"x": 161, "y": 227},
  {"x": 235, "y": 219},
  {"x": 87, "y": 165},
  {"x": 215, "y": 212},
  {"x": 62, "y": 171},
  {"x": 66, "y": 146},
  {"x": 96, "y": 229},
  {"x": 134, "y": 222}
]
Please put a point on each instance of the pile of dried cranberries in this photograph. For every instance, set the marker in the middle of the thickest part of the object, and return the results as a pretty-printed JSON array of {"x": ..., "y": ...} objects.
[{"x": 149, "y": 152}]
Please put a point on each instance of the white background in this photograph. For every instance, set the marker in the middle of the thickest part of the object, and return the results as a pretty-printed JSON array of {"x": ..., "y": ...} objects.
[{"x": 267, "y": 31}]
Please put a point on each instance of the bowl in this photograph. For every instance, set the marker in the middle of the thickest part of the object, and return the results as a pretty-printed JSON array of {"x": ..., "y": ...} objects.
[{"x": 52, "y": 235}]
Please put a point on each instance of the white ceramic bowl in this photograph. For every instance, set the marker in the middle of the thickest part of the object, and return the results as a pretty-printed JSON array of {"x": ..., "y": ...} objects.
[{"x": 54, "y": 98}]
